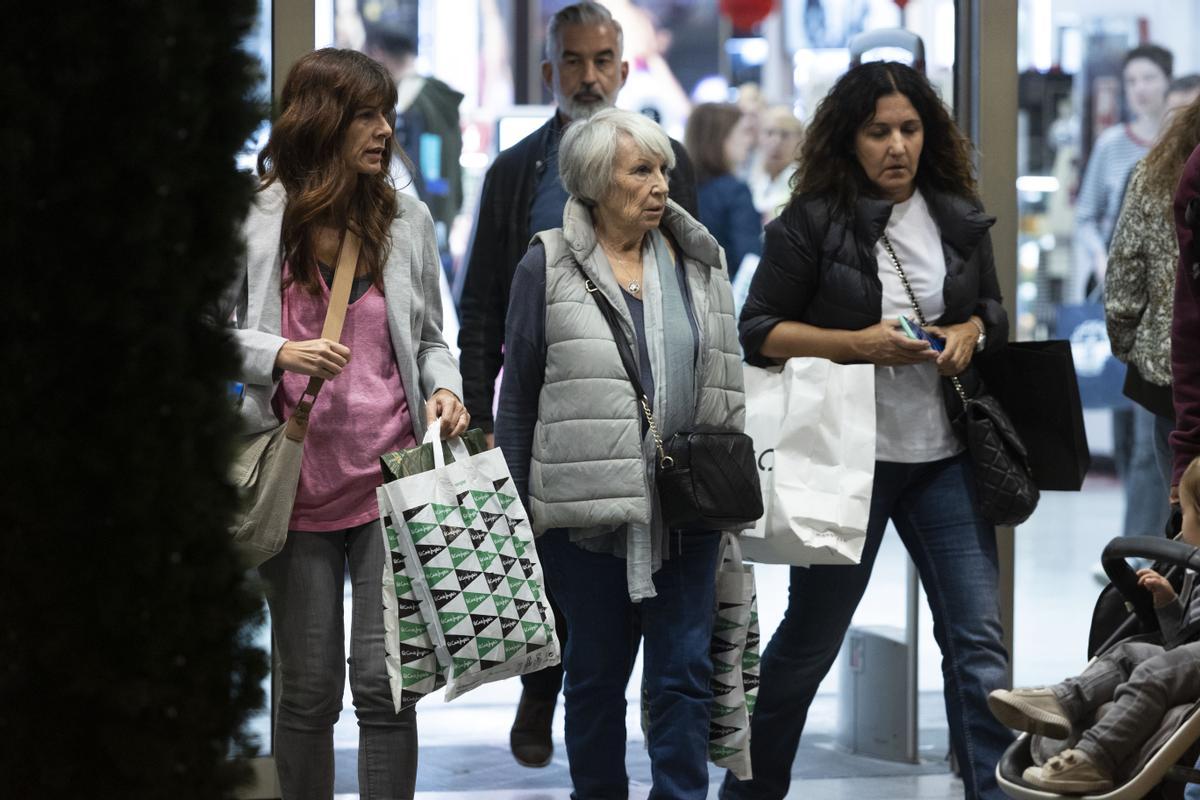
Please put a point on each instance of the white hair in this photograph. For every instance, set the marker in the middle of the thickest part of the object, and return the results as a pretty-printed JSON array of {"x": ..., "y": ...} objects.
[
  {"x": 589, "y": 149},
  {"x": 585, "y": 12}
]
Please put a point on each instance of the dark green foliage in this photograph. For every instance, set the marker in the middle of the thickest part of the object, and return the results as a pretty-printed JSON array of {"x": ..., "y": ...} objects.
[{"x": 126, "y": 668}]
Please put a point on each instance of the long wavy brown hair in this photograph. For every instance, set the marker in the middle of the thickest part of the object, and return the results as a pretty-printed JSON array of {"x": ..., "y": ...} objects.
[
  {"x": 1164, "y": 163},
  {"x": 828, "y": 164},
  {"x": 323, "y": 92}
]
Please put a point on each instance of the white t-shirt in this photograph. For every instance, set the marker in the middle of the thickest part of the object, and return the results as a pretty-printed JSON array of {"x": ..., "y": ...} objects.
[{"x": 911, "y": 423}]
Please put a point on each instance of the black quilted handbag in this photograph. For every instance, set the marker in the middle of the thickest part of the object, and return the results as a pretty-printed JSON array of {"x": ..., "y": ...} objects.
[
  {"x": 1004, "y": 482},
  {"x": 706, "y": 479}
]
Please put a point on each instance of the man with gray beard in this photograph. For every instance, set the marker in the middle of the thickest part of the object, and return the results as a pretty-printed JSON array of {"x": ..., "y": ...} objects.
[{"x": 522, "y": 195}]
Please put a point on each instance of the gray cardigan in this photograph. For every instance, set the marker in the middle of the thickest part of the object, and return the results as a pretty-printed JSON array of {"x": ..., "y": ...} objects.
[{"x": 410, "y": 286}]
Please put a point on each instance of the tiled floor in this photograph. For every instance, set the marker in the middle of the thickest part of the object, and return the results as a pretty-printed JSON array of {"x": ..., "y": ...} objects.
[
  {"x": 464, "y": 751},
  {"x": 921, "y": 787}
]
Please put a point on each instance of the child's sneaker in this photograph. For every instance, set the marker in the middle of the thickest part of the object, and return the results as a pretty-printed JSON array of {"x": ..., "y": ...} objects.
[
  {"x": 1031, "y": 710},
  {"x": 1069, "y": 772}
]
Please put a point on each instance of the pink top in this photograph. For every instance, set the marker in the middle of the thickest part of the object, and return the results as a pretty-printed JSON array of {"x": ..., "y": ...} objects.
[{"x": 359, "y": 415}]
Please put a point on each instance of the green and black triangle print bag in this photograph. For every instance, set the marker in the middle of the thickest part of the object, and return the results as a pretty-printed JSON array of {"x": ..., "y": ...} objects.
[{"x": 463, "y": 596}]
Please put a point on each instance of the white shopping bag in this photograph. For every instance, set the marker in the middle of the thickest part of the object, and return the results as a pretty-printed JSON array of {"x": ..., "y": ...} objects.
[
  {"x": 823, "y": 466},
  {"x": 467, "y": 551},
  {"x": 766, "y": 406}
]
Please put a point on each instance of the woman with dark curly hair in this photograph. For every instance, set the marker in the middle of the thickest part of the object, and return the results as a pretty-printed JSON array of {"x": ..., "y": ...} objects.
[
  {"x": 886, "y": 215},
  {"x": 324, "y": 172}
]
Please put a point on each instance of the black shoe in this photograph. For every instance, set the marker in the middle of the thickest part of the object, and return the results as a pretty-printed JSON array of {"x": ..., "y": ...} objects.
[{"x": 530, "y": 735}]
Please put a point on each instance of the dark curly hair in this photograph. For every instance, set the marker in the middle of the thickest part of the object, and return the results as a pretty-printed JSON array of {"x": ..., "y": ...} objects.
[{"x": 828, "y": 160}]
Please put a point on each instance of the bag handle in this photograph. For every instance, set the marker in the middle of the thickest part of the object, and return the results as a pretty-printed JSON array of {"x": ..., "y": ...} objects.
[
  {"x": 335, "y": 320},
  {"x": 912, "y": 299},
  {"x": 458, "y": 449},
  {"x": 627, "y": 361}
]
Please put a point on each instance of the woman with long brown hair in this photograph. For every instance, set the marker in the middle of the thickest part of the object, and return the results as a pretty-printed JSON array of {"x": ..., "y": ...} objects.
[
  {"x": 1140, "y": 285},
  {"x": 886, "y": 217},
  {"x": 325, "y": 171},
  {"x": 718, "y": 138}
]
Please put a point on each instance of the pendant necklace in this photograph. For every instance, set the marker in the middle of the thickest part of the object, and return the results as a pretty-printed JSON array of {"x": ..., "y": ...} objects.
[{"x": 634, "y": 286}]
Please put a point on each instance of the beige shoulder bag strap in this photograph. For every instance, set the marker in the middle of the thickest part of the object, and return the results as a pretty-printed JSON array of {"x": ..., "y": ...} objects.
[{"x": 335, "y": 318}]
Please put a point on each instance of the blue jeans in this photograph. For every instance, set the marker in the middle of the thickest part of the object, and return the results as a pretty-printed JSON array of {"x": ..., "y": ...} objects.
[
  {"x": 1139, "y": 440},
  {"x": 305, "y": 584},
  {"x": 1192, "y": 792},
  {"x": 934, "y": 509},
  {"x": 677, "y": 629},
  {"x": 1163, "y": 455}
]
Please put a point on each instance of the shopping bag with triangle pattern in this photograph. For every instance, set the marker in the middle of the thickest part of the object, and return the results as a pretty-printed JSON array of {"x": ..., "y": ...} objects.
[
  {"x": 412, "y": 663},
  {"x": 734, "y": 653},
  {"x": 465, "y": 543}
]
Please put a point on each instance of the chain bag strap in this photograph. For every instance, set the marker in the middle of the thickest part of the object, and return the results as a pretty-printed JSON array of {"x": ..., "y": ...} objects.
[
  {"x": 912, "y": 299},
  {"x": 1007, "y": 492},
  {"x": 705, "y": 479}
]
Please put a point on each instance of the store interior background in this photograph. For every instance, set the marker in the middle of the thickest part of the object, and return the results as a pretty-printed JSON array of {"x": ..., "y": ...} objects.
[{"x": 685, "y": 51}]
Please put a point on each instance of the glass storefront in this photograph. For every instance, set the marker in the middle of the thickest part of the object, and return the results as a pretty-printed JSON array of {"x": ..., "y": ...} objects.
[
  {"x": 1077, "y": 101},
  {"x": 1070, "y": 87}
]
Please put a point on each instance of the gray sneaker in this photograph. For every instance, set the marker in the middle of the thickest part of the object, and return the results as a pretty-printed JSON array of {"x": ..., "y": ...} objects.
[
  {"x": 1069, "y": 772},
  {"x": 1031, "y": 710}
]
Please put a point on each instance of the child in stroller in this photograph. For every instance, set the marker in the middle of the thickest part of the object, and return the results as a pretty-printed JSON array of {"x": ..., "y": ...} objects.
[{"x": 1141, "y": 679}]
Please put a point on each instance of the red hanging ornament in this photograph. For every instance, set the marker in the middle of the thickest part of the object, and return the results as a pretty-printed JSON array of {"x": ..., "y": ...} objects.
[
  {"x": 900, "y": 3},
  {"x": 746, "y": 13}
]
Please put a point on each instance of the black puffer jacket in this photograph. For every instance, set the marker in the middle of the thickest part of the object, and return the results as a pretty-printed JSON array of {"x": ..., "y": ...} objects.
[{"x": 822, "y": 270}]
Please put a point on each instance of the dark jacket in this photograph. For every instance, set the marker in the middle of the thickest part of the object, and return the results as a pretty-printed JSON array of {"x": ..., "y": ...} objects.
[
  {"x": 500, "y": 240},
  {"x": 727, "y": 210},
  {"x": 1185, "y": 325},
  {"x": 821, "y": 269},
  {"x": 435, "y": 111}
]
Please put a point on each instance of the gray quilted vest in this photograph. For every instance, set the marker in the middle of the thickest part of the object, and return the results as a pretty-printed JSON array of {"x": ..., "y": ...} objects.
[{"x": 587, "y": 469}]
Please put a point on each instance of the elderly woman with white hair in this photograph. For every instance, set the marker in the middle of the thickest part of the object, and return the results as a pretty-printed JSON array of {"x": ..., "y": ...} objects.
[{"x": 573, "y": 432}]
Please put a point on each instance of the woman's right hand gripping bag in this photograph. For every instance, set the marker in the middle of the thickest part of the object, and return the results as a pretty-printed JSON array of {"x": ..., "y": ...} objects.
[{"x": 813, "y": 425}]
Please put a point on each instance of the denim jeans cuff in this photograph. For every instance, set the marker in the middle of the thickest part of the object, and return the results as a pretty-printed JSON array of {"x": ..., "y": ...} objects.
[
  {"x": 1098, "y": 754},
  {"x": 1067, "y": 694}
]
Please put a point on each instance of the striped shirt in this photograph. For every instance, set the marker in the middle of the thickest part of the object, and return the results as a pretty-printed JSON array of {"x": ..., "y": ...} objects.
[{"x": 1099, "y": 201}]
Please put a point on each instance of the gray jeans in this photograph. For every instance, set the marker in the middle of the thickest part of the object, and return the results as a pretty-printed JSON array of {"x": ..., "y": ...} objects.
[
  {"x": 1143, "y": 681},
  {"x": 305, "y": 585}
]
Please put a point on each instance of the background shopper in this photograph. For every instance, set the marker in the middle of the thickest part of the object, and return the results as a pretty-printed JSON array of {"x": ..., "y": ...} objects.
[
  {"x": 718, "y": 138},
  {"x": 779, "y": 146},
  {"x": 1146, "y": 74},
  {"x": 1141, "y": 276}
]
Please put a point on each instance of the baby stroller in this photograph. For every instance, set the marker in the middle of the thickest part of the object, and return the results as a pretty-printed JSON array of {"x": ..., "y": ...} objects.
[{"x": 1164, "y": 766}]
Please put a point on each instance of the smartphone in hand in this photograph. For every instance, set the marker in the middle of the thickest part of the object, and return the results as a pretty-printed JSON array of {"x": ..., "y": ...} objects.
[{"x": 914, "y": 331}]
